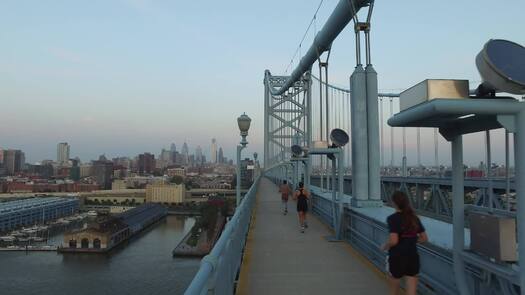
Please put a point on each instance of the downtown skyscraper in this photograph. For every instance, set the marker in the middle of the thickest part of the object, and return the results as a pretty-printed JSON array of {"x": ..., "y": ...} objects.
[
  {"x": 63, "y": 153},
  {"x": 198, "y": 155},
  {"x": 213, "y": 151},
  {"x": 185, "y": 153}
]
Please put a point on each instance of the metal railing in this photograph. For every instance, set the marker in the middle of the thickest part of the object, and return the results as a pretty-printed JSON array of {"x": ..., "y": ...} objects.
[
  {"x": 219, "y": 269},
  {"x": 366, "y": 234}
]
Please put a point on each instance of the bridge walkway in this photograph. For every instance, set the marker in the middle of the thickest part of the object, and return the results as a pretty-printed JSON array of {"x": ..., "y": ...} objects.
[{"x": 279, "y": 259}]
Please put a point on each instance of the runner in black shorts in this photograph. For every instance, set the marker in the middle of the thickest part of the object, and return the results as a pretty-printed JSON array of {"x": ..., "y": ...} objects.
[
  {"x": 301, "y": 195},
  {"x": 406, "y": 231}
]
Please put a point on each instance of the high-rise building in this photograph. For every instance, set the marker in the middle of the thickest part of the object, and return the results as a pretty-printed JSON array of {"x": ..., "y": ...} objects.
[
  {"x": 1, "y": 157},
  {"x": 165, "y": 159},
  {"x": 247, "y": 167},
  {"x": 165, "y": 193},
  {"x": 14, "y": 161},
  {"x": 198, "y": 156},
  {"x": 185, "y": 154},
  {"x": 173, "y": 148},
  {"x": 213, "y": 151},
  {"x": 221, "y": 156},
  {"x": 103, "y": 172},
  {"x": 63, "y": 154},
  {"x": 146, "y": 163}
]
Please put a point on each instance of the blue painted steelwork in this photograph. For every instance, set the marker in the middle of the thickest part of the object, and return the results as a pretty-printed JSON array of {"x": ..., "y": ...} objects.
[
  {"x": 218, "y": 271},
  {"x": 365, "y": 229},
  {"x": 342, "y": 14},
  {"x": 431, "y": 196}
]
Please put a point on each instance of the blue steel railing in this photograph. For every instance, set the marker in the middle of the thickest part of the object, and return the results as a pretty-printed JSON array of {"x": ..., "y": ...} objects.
[
  {"x": 366, "y": 234},
  {"x": 219, "y": 269}
]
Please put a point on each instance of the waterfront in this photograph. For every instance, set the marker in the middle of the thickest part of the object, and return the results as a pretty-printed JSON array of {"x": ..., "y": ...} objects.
[{"x": 142, "y": 266}]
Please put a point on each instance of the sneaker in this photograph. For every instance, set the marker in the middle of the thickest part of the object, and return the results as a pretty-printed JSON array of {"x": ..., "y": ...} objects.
[
  {"x": 302, "y": 229},
  {"x": 305, "y": 225}
]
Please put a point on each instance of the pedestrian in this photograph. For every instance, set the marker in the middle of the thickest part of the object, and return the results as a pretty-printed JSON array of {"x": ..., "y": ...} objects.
[
  {"x": 406, "y": 230},
  {"x": 302, "y": 195},
  {"x": 285, "y": 191}
]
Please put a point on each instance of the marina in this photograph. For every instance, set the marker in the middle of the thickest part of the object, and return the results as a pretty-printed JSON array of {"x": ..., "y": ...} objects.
[
  {"x": 39, "y": 234},
  {"x": 23, "y": 273}
]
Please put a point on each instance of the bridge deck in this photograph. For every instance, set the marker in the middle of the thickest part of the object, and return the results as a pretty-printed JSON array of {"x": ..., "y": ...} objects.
[{"x": 281, "y": 260}]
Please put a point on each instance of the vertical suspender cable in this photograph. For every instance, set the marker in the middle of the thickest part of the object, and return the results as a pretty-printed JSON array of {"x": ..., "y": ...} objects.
[
  {"x": 327, "y": 119},
  {"x": 391, "y": 135},
  {"x": 489, "y": 168},
  {"x": 404, "y": 160},
  {"x": 349, "y": 123},
  {"x": 382, "y": 135},
  {"x": 507, "y": 170},
  {"x": 436, "y": 151},
  {"x": 418, "y": 148},
  {"x": 321, "y": 117}
]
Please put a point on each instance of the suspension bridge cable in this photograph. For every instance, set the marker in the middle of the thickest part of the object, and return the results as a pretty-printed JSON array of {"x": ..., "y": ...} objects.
[
  {"x": 313, "y": 21},
  {"x": 391, "y": 135}
]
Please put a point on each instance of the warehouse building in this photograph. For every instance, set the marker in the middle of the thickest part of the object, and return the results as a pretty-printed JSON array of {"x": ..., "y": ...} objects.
[
  {"x": 26, "y": 212},
  {"x": 105, "y": 234}
]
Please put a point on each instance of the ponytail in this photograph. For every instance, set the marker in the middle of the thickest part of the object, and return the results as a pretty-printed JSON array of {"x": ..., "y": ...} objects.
[{"x": 409, "y": 220}]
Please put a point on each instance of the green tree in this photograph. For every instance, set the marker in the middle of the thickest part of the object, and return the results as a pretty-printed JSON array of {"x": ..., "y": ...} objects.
[{"x": 177, "y": 179}]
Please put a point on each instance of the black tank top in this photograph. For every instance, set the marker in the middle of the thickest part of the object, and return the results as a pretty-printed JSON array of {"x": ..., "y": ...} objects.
[{"x": 301, "y": 195}]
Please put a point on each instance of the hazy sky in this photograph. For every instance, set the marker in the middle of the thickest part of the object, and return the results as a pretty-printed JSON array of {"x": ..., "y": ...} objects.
[{"x": 127, "y": 76}]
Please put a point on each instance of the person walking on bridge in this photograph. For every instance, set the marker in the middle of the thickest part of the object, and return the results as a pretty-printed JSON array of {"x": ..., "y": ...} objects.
[
  {"x": 285, "y": 191},
  {"x": 302, "y": 195},
  {"x": 406, "y": 230}
]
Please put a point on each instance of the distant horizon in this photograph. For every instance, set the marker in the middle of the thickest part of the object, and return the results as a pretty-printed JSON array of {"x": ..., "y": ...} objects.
[{"x": 124, "y": 77}]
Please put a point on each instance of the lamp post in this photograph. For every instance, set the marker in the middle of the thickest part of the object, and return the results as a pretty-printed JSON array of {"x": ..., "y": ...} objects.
[
  {"x": 255, "y": 166},
  {"x": 244, "y": 125}
]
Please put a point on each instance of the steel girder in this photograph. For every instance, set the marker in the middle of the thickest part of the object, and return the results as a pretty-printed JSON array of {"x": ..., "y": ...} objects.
[{"x": 286, "y": 118}]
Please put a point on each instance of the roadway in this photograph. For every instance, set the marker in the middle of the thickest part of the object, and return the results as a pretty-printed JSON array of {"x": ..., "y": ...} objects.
[{"x": 279, "y": 259}]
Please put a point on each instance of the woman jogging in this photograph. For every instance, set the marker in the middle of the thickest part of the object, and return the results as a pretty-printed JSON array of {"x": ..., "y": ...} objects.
[
  {"x": 406, "y": 231},
  {"x": 302, "y": 195}
]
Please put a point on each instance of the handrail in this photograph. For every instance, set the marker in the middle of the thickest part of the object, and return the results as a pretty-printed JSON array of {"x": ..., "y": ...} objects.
[{"x": 218, "y": 269}]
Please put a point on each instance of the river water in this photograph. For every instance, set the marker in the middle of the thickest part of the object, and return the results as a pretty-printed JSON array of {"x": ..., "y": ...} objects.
[{"x": 144, "y": 265}]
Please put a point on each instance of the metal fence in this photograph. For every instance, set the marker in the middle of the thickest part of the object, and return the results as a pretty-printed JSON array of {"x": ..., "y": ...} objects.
[
  {"x": 366, "y": 234},
  {"x": 219, "y": 269}
]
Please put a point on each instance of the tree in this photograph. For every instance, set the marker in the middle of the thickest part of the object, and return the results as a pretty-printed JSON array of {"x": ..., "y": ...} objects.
[{"x": 177, "y": 179}]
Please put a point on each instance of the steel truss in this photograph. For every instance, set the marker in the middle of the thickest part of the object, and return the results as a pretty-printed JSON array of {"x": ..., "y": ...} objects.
[{"x": 286, "y": 121}]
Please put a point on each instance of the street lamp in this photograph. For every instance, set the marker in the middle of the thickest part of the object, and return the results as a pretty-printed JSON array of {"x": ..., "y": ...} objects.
[{"x": 244, "y": 125}]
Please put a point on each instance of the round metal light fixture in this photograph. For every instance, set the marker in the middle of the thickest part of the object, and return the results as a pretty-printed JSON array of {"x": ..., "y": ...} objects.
[
  {"x": 244, "y": 124},
  {"x": 297, "y": 150},
  {"x": 339, "y": 137},
  {"x": 501, "y": 65}
]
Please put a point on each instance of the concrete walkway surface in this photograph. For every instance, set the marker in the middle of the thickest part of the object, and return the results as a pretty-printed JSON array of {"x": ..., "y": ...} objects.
[{"x": 279, "y": 259}]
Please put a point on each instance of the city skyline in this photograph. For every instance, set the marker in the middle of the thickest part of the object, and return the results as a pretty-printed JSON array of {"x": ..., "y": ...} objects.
[{"x": 125, "y": 97}]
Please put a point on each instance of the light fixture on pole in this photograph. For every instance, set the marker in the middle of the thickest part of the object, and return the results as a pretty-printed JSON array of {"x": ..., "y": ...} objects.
[
  {"x": 339, "y": 137},
  {"x": 335, "y": 153},
  {"x": 501, "y": 65},
  {"x": 244, "y": 125},
  {"x": 297, "y": 150}
]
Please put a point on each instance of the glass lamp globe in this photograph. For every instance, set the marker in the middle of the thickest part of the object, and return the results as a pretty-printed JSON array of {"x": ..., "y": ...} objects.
[{"x": 244, "y": 123}]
